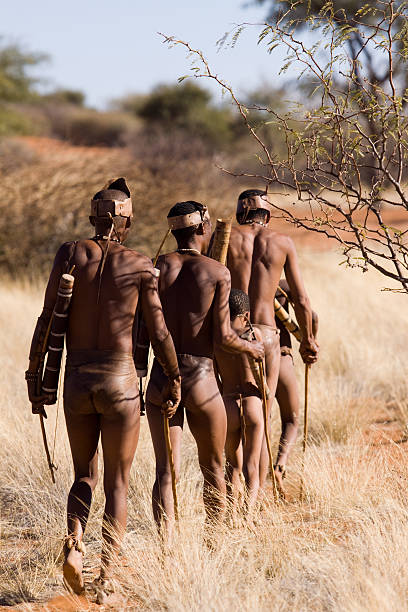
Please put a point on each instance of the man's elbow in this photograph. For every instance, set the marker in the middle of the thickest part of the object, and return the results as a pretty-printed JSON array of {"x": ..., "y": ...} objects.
[
  {"x": 158, "y": 334},
  {"x": 226, "y": 340},
  {"x": 302, "y": 301}
]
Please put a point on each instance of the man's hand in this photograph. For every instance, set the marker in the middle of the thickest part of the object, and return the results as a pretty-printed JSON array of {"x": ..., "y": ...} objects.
[
  {"x": 171, "y": 397},
  {"x": 38, "y": 401},
  {"x": 309, "y": 350},
  {"x": 256, "y": 350}
]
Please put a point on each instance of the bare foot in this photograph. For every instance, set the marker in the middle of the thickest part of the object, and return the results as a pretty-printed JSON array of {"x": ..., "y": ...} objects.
[
  {"x": 72, "y": 571},
  {"x": 279, "y": 476},
  {"x": 103, "y": 589}
]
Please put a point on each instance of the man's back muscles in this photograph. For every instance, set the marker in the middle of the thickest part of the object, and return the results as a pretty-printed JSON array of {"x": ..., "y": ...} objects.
[
  {"x": 105, "y": 296},
  {"x": 255, "y": 259}
]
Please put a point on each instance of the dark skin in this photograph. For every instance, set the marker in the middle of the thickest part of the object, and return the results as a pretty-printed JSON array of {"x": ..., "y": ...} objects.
[
  {"x": 242, "y": 453},
  {"x": 194, "y": 291},
  {"x": 257, "y": 256},
  {"x": 128, "y": 278},
  {"x": 287, "y": 392}
]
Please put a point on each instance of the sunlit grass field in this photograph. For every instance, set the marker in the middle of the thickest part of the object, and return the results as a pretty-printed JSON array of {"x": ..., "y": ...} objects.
[{"x": 344, "y": 548}]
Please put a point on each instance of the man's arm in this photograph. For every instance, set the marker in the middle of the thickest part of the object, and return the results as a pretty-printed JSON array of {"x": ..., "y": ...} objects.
[
  {"x": 141, "y": 344},
  {"x": 283, "y": 284},
  {"x": 315, "y": 323},
  {"x": 161, "y": 340},
  {"x": 308, "y": 346},
  {"x": 223, "y": 334},
  {"x": 40, "y": 331}
]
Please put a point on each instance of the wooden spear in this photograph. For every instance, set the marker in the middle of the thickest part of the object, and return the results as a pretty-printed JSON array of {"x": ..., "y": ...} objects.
[{"x": 305, "y": 429}]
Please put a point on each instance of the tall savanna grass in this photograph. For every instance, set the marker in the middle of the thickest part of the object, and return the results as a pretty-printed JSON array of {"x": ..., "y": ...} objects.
[{"x": 344, "y": 548}]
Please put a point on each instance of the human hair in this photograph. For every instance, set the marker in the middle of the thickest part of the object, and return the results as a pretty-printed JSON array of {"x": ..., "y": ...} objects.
[
  {"x": 250, "y": 193},
  {"x": 238, "y": 303},
  {"x": 111, "y": 194},
  {"x": 184, "y": 208}
]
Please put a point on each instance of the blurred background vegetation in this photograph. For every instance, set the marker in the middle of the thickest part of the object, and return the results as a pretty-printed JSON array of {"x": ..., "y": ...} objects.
[{"x": 56, "y": 151}]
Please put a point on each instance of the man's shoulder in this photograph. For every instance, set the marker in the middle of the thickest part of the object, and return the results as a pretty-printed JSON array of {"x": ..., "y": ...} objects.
[
  {"x": 214, "y": 266},
  {"x": 141, "y": 262},
  {"x": 271, "y": 235}
]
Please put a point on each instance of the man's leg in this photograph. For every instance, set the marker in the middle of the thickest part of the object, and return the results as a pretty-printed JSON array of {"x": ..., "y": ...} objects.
[
  {"x": 162, "y": 494},
  {"x": 233, "y": 452},
  {"x": 208, "y": 423},
  {"x": 254, "y": 433},
  {"x": 83, "y": 434},
  {"x": 120, "y": 434},
  {"x": 272, "y": 363},
  {"x": 287, "y": 395}
]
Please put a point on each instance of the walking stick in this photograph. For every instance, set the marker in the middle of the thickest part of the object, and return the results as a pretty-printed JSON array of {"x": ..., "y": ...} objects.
[
  {"x": 265, "y": 416},
  {"x": 171, "y": 461},
  {"x": 305, "y": 415},
  {"x": 260, "y": 380}
]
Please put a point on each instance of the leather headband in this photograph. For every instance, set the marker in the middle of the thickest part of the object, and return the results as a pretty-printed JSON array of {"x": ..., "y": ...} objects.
[
  {"x": 255, "y": 202},
  {"x": 101, "y": 208},
  {"x": 194, "y": 218}
]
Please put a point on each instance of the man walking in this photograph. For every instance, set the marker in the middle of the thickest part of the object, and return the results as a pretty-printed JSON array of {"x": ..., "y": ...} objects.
[{"x": 101, "y": 397}]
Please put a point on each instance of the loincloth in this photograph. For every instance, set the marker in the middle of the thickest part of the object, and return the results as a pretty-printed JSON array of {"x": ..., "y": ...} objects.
[
  {"x": 99, "y": 382},
  {"x": 193, "y": 368},
  {"x": 247, "y": 390},
  {"x": 270, "y": 329}
]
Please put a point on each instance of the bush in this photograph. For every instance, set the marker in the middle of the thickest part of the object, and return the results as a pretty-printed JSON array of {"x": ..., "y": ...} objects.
[
  {"x": 185, "y": 108},
  {"x": 88, "y": 127},
  {"x": 66, "y": 96},
  {"x": 13, "y": 121},
  {"x": 15, "y": 155}
]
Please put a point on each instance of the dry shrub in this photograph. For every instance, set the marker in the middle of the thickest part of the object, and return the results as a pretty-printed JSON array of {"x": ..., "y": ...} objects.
[
  {"x": 343, "y": 549},
  {"x": 86, "y": 127},
  {"x": 46, "y": 202}
]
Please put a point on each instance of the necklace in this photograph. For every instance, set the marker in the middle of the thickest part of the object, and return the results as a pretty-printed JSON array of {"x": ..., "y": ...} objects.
[
  {"x": 258, "y": 223},
  {"x": 101, "y": 237},
  {"x": 189, "y": 251}
]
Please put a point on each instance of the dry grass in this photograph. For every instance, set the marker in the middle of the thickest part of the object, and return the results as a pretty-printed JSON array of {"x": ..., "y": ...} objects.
[{"x": 343, "y": 549}]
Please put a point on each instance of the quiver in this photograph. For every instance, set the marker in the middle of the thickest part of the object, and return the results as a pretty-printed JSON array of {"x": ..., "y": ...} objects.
[
  {"x": 219, "y": 247},
  {"x": 57, "y": 336}
]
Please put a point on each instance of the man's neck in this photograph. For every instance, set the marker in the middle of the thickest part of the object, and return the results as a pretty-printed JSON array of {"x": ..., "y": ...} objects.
[
  {"x": 105, "y": 236},
  {"x": 192, "y": 245},
  {"x": 255, "y": 222}
]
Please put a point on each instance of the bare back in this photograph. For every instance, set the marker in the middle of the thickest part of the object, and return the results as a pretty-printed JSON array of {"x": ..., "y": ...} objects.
[
  {"x": 105, "y": 323},
  {"x": 256, "y": 257},
  {"x": 187, "y": 287}
]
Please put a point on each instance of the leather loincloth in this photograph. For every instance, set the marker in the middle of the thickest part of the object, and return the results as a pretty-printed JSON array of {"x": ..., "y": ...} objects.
[
  {"x": 247, "y": 390},
  {"x": 193, "y": 368},
  {"x": 99, "y": 382}
]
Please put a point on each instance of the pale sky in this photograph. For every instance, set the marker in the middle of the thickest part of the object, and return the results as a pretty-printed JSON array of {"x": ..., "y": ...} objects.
[{"x": 109, "y": 48}]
